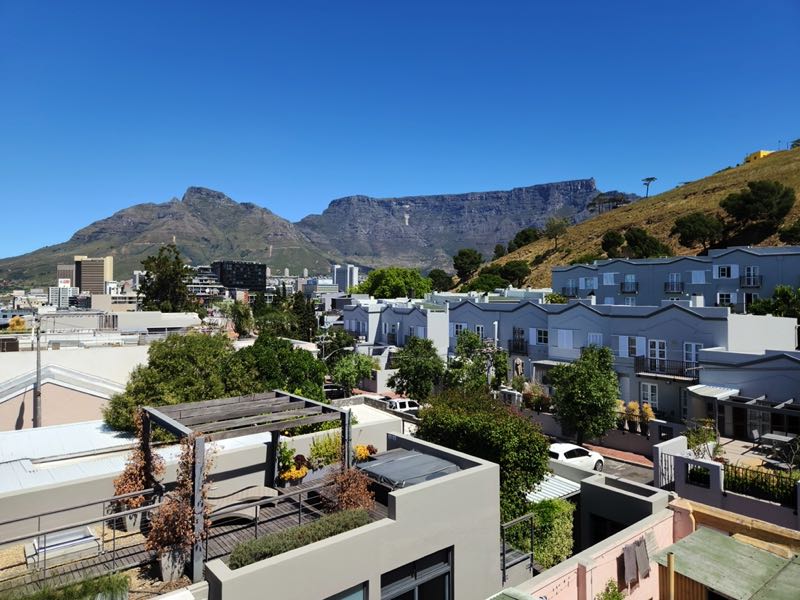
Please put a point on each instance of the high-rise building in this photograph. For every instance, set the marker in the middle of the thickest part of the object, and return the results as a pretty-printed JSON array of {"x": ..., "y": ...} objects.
[
  {"x": 65, "y": 275},
  {"x": 91, "y": 274},
  {"x": 138, "y": 277},
  {"x": 345, "y": 277},
  {"x": 238, "y": 274},
  {"x": 59, "y": 296}
]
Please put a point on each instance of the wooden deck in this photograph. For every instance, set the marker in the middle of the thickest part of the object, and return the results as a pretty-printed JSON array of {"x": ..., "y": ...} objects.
[{"x": 223, "y": 537}]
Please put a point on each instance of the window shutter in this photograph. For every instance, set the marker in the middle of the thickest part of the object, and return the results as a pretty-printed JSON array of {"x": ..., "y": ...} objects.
[
  {"x": 641, "y": 346},
  {"x": 733, "y": 298},
  {"x": 420, "y": 332},
  {"x": 623, "y": 345},
  {"x": 734, "y": 271},
  {"x": 581, "y": 283},
  {"x": 452, "y": 330},
  {"x": 532, "y": 336},
  {"x": 715, "y": 272},
  {"x": 565, "y": 338}
]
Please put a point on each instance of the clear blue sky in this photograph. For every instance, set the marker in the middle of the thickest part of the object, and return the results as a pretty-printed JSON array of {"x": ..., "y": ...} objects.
[{"x": 107, "y": 104}]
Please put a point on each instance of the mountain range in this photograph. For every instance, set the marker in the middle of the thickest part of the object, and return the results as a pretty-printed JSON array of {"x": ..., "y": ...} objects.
[{"x": 415, "y": 231}]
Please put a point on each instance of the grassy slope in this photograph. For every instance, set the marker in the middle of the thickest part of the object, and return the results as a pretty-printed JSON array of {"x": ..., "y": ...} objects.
[{"x": 658, "y": 213}]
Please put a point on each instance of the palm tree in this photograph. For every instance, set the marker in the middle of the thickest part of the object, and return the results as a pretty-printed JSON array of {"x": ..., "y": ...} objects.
[{"x": 647, "y": 181}]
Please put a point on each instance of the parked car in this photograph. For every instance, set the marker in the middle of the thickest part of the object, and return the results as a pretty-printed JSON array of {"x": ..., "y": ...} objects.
[
  {"x": 404, "y": 405},
  {"x": 577, "y": 456}
]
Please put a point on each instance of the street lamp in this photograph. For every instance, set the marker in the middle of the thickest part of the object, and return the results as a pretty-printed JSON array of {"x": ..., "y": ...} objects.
[{"x": 338, "y": 350}]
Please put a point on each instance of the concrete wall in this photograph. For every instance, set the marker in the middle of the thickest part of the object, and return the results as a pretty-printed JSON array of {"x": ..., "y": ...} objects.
[
  {"x": 60, "y": 405},
  {"x": 584, "y": 576},
  {"x": 771, "y": 373},
  {"x": 459, "y": 511},
  {"x": 753, "y": 333}
]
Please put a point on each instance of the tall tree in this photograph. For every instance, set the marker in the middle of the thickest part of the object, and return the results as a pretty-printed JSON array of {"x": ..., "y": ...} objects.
[
  {"x": 647, "y": 182},
  {"x": 785, "y": 302},
  {"x": 499, "y": 251},
  {"x": 304, "y": 316},
  {"x": 164, "y": 284},
  {"x": 555, "y": 228},
  {"x": 791, "y": 233},
  {"x": 242, "y": 318},
  {"x": 515, "y": 271},
  {"x": 764, "y": 202},
  {"x": 476, "y": 365},
  {"x": 612, "y": 242},
  {"x": 440, "y": 281},
  {"x": 586, "y": 393},
  {"x": 395, "y": 282},
  {"x": 641, "y": 244},
  {"x": 466, "y": 262},
  {"x": 485, "y": 282},
  {"x": 419, "y": 369},
  {"x": 350, "y": 369},
  {"x": 698, "y": 228},
  {"x": 524, "y": 237}
]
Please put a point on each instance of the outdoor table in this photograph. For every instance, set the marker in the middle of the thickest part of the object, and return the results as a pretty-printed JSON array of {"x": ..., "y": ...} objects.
[{"x": 777, "y": 440}]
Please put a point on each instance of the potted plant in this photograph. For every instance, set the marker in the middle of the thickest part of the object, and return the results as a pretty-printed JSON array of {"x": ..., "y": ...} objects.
[
  {"x": 172, "y": 533},
  {"x": 134, "y": 478},
  {"x": 620, "y": 415},
  {"x": 325, "y": 451},
  {"x": 291, "y": 469},
  {"x": 632, "y": 415},
  {"x": 647, "y": 415},
  {"x": 363, "y": 452}
]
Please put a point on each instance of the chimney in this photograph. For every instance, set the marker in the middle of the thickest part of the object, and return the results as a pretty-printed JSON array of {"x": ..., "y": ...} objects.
[
  {"x": 591, "y": 299},
  {"x": 698, "y": 301}
]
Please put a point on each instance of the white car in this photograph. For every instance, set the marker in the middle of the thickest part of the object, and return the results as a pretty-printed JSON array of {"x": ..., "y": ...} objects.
[
  {"x": 575, "y": 455},
  {"x": 403, "y": 405}
]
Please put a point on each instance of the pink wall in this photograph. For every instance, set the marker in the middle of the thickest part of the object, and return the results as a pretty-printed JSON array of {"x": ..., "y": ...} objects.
[
  {"x": 59, "y": 406},
  {"x": 585, "y": 575}
]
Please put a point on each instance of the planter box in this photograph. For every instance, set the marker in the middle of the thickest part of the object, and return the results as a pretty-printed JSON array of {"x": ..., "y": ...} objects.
[{"x": 321, "y": 474}]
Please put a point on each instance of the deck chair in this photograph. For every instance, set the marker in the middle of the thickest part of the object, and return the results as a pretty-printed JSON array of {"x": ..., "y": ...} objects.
[
  {"x": 756, "y": 439},
  {"x": 244, "y": 496}
]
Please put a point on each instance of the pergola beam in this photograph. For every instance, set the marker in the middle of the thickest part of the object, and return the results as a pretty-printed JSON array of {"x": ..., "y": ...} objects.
[
  {"x": 208, "y": 415},
  {"x": 168, "y": 423},
  {"x": 238, "y": 400},
  {"x": 256, "y": 420},
  {"x": 277, "y": 426}
]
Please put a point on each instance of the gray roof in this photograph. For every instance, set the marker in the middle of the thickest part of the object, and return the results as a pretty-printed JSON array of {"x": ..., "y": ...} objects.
[
  {"x": 553, "y": 486},
  {"x": 756, "y": 250},
  {"x": 730, "y": 567},
  {"x": 401, "y": 468}
]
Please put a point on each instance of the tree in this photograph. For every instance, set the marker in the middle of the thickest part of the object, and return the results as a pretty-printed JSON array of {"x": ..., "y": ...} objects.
[
  {"x": 474, "y": 362},
  {"x": 477, "y": 424},
  {"x": 586, "y": 393},
  {"x": 350, "y": 369},
  {"x": 553, "y": 525},
  {"x": 524, "y": 237},
  {"x": 242, "y": 318},
  {"x": 419, "y": 369},
  {"x": 485, "y": 283},
  {"x": 332, "y": 343},
  {"x": 785, "y": 302},
  {"x": 466, "y": 262},
  {"x": 499, "y": 251},
  {"x": 181, "y": 368},
  {"x": 697, "y": 228},
  {"x": 555, "y": 228},
  {"x": 395, "y": 282},
  {"x": 791, "y": 234},
  {"x": 164, "y": 284},
  {"x": 304, "y": 316},
  {"x": 515, "y": 271},
  {"x": 763, "y": 202},
  {"x": 612, "y": 242},
  {"x": 648, "y": 181},
  {"x": 17, "y": 323},
  {"x": 641, "y": 244},
  {"x": 440, "y": 281},
  {"x": 795, "y": 144},
  {"x": 556, "y": 298}
]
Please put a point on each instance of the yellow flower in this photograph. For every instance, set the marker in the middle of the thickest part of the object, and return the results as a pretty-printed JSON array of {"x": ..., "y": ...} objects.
[
  {"x": 294, "y": 474},
  {"x": 362, "y": 453}
]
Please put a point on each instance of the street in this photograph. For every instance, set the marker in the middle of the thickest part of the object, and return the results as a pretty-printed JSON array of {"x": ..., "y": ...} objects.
[{"x": 628, "y": 471}]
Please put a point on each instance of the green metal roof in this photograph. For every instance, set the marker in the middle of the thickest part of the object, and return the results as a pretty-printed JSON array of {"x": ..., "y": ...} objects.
[{"x": 733, "y": 568}]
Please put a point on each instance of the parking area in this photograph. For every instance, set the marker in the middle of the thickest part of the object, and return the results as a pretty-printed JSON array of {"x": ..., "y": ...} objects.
[{"x": 635, "y": 473}]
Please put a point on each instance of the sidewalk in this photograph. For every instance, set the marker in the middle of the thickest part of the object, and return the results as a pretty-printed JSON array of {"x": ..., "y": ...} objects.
[{"x": 626, "y": 457}]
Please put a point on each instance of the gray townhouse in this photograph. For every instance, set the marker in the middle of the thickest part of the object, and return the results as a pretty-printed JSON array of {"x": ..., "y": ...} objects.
[
  {"x": 726, "y": 277},
  {"x": 656, "y": 348},
  {"x": 391, "y": 324},
  {"x": 749, "y": 391}
]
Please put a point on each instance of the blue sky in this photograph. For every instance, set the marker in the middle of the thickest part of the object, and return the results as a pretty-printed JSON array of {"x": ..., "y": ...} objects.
[{"x": 289, "y": 105}]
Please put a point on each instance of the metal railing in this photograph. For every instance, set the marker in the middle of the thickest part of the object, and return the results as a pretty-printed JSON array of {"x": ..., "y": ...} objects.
[
  {"x": 391, "y": 339},
  {"x": 570, "y": 291},
  {"x": 662, "y": 366},
  {"x": 750, "y": 281},
  {"x": 514, "y": 556},
  {"x": 764, "y": 485},
  {"x": 518, "y": 346},
  {"x": 673, "y": 287},
  {"x": 629, "y": 287}
]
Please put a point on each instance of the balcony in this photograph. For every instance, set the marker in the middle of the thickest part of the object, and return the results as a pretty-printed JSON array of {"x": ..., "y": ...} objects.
[
  {"x": 518, "y": 346},
  {"x": 629, "y": 287},
  {"x": 750, "y": 281},
  {"x": 391, "y": 339},
  {"x": 570, "y": 291},
  {"x": 667, "y": 369},
  {"x": 673, "y": 287}
]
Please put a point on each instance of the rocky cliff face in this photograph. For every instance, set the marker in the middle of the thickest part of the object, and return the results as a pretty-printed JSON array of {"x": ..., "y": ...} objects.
[{"x": 427, "y": 230}]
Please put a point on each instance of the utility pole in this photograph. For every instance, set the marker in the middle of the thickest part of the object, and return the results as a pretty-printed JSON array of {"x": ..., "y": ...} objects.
[{"x": 37, "y": 387}]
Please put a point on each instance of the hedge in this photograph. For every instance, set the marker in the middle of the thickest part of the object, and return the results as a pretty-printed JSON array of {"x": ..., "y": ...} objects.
[
  {"x": 273, "y": 544},
  {"x": 113, "y": 586},
  {"x": 552, "y": 539}
]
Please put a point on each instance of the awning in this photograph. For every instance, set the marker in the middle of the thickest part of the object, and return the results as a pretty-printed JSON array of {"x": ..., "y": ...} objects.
[
  {"x": 550, "y": 363},
  {"x": 712, "y": 391},
  {"x": 553, "y": 486}
]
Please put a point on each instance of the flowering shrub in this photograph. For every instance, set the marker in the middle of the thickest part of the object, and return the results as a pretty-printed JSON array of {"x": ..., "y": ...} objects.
[
  {"x": 293, "y": 473},
  {"x": 325, "y": 451},
  {"x": 647, "y": 412},
  {"x": 363, "y": 452}
]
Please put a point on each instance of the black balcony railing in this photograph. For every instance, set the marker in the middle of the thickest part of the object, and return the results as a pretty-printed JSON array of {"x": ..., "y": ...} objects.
[
  {"x": 673, "y": 287},
  {"x": 662, "y": 366},
  {"x": 570, "y": 291},
  {"x": 629, "y": 287},
  {"x": 518, "y": 346},
  {"x": 750, "y": 281},
  {"x": 391, "y": 339}
]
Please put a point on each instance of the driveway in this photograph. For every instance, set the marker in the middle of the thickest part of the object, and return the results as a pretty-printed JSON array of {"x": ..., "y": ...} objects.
[{"x": 628, "y": 471}]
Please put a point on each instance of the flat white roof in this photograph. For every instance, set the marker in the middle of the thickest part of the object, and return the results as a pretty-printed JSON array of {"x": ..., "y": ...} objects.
[
  {"x": 713, "y": 391},
  {"x": 553, "y": 486}
]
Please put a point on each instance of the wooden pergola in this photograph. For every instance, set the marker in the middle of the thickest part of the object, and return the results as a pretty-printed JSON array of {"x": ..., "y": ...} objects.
[{"x": 224, "y": 418}]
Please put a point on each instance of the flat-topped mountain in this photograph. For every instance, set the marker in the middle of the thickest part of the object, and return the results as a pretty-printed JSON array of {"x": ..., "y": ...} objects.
[{"x": 418, "y": 231}]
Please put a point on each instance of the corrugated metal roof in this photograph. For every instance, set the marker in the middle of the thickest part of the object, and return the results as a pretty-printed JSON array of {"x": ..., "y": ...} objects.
[
  {"x": 553, "y": 486},
  {"x": 59, "y": 440},
  {"x": 712, "y": 391}
]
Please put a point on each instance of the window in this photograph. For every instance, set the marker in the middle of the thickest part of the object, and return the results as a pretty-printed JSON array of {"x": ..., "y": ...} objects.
[
  {"x": 458, "y": 328},
  {"x": 587, "y": 283},
  {"x": 542, "y": 337},
  {"x": 674, "y": 277},
  {"x": 630, "y": 278},
  {"x": 385, "y": 327},
  {"x": 649, "y": 394},
  {"x": 631, "y": 346},
  {"x": 726, "y": 298},
  {"x": 608, "y": 300},
  {"x": 751, "y": 272},
  {"x": 698, "y": 276},
  {"x": 428, "y": 578},
  {"x": 608, "y": 278},
  {"x": 358, "y": 592},
  {"x": 657, "y": 353},
  {"x": 595, "y": 339},
  {"x": 630, "y": 301},
  {"x": 411, "y": 331},
  {"x": 690, "y": 353},
  {"x": 479, "y": 330},
  {"x": 684, "y": 399}
]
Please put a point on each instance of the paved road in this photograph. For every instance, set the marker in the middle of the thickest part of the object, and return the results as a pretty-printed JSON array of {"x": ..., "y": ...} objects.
[{"x": 628, "y": 471}]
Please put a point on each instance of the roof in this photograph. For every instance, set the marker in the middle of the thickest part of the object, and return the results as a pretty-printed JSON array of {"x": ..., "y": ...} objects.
[
  {"x": 712, "y": 391},
  {"x": 756, "y": 250},
  {"x": 59, "y": 440},
  {"x": 730, "y": 567},
  {"x": 402, "y": 468},
  {"x": 68, "y": 378},
  {"x": 553, "y": 486}
]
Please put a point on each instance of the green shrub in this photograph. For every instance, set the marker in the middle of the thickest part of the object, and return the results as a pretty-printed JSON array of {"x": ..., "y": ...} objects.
[
  {"x": 612, "y": 592},
  {"x": 552, "y": 527},
  {"x": 273, "y": 544},
  {"x": 325, "y": 450},
  {"x": 114, "y": 585}
]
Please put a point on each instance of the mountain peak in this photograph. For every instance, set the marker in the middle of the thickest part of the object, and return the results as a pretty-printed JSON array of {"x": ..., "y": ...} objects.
[{"x": 195, "y": 196}]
